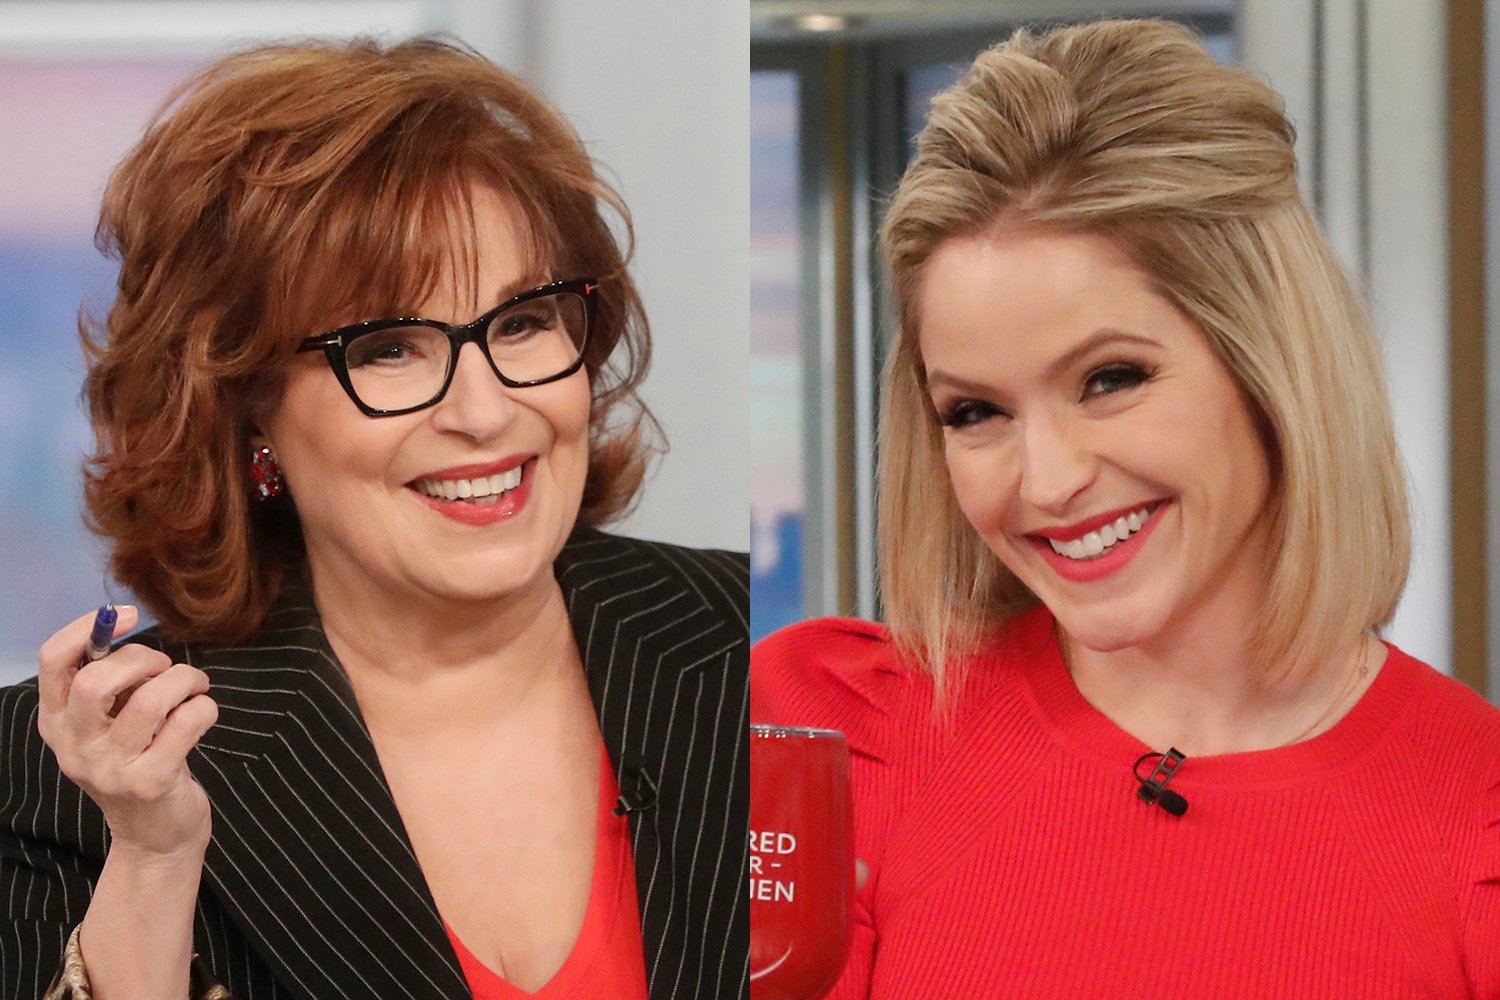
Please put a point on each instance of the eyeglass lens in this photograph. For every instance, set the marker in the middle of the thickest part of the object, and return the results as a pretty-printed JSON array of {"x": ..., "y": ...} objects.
[{"x": 405, "y": 366}]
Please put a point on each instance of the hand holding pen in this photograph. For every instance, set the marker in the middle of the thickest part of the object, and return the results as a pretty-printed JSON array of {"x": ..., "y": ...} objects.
[{"x": 121, "y": 724}]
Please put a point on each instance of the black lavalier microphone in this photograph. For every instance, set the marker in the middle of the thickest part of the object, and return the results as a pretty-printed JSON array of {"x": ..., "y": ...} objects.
[
  {"x": 1154, "y": 789},
  {"x": 637, "y": 791}
]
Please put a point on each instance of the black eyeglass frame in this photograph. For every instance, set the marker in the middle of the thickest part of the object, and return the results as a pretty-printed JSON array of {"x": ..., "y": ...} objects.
[{"x": 335, "y": 343}]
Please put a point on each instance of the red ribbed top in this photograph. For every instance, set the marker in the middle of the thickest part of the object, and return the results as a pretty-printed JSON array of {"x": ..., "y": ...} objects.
[
  {"x": 607, "y": 959},
  {"x": 1010, "y": 856}
]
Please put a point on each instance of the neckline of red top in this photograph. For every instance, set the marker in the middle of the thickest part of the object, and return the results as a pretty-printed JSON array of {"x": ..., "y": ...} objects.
[
  {"x": 1031, "y": 648},
  {"x": 612, "y": 856}
]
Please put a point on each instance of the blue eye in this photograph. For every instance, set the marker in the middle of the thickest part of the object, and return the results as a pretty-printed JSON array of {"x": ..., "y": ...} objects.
[
  {"x": 967, "y": 413},
  {"x": 1114, "y": 378}
]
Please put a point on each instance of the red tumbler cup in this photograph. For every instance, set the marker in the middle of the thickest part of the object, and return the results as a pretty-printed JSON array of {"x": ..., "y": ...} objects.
[{"x": 801, "y": 861}]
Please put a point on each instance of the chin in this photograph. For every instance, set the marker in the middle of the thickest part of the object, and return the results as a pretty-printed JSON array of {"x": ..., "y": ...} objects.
[
  {"x": 1106, "y": 629},
  {"x": 494, "y": 587},
  {"x": 494, "y": 573},
  {"x": 1101, "y": 640}
]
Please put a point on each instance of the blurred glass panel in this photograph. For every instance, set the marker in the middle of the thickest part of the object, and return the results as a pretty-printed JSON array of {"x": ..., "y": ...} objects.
[
  {"x": 64, "y": 127},
  {"x": 777, "y": 489},
  {"x": 921, "y": 83}
]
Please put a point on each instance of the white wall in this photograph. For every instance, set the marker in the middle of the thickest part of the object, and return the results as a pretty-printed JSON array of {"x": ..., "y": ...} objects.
[
  {"x": 1409, "y": 279},
  {"x": 1402, "y": 158},
  {"x": 660, "y": 91}
]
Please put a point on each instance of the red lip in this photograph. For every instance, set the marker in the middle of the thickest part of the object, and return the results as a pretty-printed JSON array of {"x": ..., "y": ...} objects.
[
  {"x": 1074, "y": 531},
  {"x": 481, "y": 515},
  {"x": 477, "y": 470},
  {"x": 1090, "y": 570}
]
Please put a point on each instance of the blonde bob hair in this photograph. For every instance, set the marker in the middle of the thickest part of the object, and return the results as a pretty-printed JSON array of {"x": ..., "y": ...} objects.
[{"x": 1131, "y": 130}]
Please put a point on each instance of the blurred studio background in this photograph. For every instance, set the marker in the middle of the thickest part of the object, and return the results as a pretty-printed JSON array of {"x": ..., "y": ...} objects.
[
  {"x": 1388, "y": 97},
  {"x": 657, "y": 88}
]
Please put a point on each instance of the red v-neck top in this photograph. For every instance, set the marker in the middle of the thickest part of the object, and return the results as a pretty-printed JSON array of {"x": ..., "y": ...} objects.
[
  {"x": 1010, "y": 858},
  {"x": 607, "y": 959}
]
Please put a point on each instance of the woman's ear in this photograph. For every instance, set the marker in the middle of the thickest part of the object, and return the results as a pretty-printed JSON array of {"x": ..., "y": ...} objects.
[{"x": 257, "y": 433}]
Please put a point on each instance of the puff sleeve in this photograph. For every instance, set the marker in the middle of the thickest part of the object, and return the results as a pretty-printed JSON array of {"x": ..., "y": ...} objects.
[
  {"x": 1481, "y": 932},
  {"x": 845, "y": 674}
]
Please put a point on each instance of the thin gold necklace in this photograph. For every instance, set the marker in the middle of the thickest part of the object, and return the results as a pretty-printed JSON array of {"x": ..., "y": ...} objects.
[{"x": 1356, "y": 677}]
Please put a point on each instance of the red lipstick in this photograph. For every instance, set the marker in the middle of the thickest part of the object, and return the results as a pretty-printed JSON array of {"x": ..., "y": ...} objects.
[
  {"x": 511, "y": 503},
  {"x": 476, "y": 470},
  {"x": 1088, "y": 570},
  {"x": 1072, "y": 531}
]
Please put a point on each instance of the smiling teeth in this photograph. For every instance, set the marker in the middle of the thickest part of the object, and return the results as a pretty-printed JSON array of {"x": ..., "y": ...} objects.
[
  {"x": 484, "y": 490},
  {"x": 1096, "y": 543}
]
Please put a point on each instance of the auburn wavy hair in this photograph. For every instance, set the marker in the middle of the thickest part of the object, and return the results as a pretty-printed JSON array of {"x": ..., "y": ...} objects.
[{"x": 284, "y": 190}]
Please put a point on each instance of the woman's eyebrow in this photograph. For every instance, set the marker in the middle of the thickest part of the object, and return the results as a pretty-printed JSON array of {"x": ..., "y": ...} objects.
[
  {"x": 1055, "y": 368},
  {"x": 938, "y": 378},
  {"x": 525, "y": 283},
  {"x": 1099, "y": 338}
]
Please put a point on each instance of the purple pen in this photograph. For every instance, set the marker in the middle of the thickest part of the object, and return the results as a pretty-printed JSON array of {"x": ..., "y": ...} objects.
[{"x": 102, "y": 634}]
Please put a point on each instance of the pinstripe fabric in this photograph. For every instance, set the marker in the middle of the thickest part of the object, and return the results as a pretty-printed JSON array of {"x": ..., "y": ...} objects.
[{"x": 311, "y": 888}]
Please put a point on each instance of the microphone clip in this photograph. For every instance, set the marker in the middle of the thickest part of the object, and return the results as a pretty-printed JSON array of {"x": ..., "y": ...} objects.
[
  {"x": 640, "y": 796},
  {"x": 1153, "y": 790}
]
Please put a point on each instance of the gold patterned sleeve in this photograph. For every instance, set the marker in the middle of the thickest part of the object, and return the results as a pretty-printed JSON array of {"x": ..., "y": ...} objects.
[{"x": 72, "y": 982}]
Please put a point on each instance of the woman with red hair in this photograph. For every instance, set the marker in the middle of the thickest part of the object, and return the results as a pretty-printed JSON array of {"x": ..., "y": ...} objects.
[{"x": 409, "y": 724}]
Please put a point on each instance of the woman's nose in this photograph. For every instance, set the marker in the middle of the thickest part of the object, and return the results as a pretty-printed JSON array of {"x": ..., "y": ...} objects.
[
  {"x": 1059, "y": 463},
  {"x": 476, "y": 404}
]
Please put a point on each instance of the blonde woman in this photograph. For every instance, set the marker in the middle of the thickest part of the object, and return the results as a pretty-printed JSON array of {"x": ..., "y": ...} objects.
[{"x": 1128, "y": 730}]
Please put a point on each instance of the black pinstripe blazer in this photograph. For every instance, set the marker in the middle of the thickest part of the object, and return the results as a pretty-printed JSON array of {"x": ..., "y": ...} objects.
[{"x": 310, "y": 886}]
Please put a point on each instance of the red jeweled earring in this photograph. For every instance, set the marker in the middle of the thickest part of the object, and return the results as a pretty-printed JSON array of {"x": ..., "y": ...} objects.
[{"x": 265, "y": 474}]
